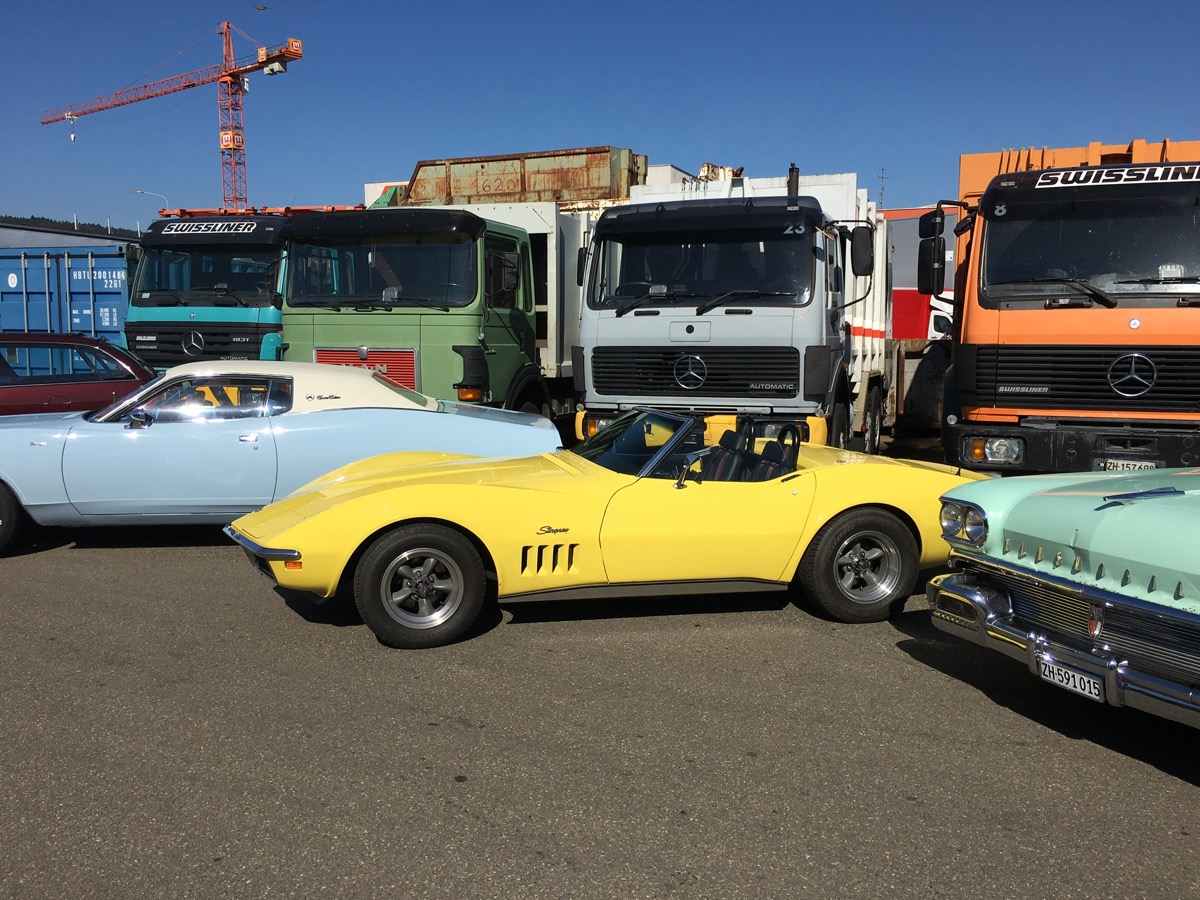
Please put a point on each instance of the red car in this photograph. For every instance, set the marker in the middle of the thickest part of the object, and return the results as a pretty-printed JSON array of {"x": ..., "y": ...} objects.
[{"x": 64, "y": 372}]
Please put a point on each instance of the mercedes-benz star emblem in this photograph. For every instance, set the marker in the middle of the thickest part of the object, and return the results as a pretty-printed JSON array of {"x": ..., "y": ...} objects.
[
  {"x": 1132, "y": 374},
  {"x": 690, "y": 372},
  {"x": 193, "y": 343}
]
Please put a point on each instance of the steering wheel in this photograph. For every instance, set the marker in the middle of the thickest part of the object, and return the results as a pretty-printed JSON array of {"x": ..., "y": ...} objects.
[
  {"x": 626, "y": 288},
  {"x": 789, "y": 439}
]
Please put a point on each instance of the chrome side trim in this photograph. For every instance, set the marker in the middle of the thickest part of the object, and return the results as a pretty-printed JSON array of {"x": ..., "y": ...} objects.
[{"x": 648, "y": 589}]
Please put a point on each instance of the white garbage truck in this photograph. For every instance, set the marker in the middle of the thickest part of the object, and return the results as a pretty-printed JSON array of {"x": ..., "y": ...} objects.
[{"x": 732, "y": 296}]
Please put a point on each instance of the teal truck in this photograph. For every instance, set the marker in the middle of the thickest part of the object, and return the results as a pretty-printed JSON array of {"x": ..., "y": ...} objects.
[
  {"x": 464, "y": 285},
  {"x": 204, "y": 288}
]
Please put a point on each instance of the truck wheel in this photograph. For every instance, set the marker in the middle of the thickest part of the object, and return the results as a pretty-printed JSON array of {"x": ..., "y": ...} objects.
[
  {"x": 860, "y": 565},
  {"x": 873, "y": 420},
  {"x": 419, "y": 586},
  {"x": 839, "y": 427},
  {"x": 12, "y": 517}
]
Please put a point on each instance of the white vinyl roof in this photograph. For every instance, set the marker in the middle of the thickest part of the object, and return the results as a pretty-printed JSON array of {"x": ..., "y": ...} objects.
[{"x": 315, "y": 385}]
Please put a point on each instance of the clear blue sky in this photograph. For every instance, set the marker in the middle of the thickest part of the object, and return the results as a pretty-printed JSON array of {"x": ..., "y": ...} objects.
[{"x": 903, "y": 87}]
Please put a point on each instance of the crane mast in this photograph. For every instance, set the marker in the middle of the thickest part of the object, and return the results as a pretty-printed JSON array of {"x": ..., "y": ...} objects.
[{"x": 230, "y": 76}]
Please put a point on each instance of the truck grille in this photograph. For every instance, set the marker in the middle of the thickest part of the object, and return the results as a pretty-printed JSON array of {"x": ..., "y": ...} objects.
[
  {"x": 165, "y": 344},
  {"x": 1165, "y": 644},
  {"x": 1058, "y": 377},
  {"x": 707, "y": 372},
  {"x": 397, "y": 366}
]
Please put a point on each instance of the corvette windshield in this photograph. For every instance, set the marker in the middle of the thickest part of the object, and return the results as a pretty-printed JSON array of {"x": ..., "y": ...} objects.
[
  {"x": 687, "y": 268},
  {"x": 1103, "y": 252},
  {"x": 633, "y": 440}
]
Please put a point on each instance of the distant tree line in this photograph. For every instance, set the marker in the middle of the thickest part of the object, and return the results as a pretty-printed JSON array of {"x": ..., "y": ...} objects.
[{"x": 89, "y": 228}]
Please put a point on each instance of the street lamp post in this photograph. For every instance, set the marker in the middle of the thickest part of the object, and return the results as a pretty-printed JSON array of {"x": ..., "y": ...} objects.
[{"x": 152, "y": 194}]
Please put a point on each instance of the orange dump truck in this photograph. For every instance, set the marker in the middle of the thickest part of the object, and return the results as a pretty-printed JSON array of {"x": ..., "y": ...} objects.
[{"x": 1077, "y": 308}]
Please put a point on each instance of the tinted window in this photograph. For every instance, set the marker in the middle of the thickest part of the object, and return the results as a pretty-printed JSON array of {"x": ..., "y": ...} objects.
[
  {"x": 219, "y": 398},
  {"x": 49, "y": 364}
]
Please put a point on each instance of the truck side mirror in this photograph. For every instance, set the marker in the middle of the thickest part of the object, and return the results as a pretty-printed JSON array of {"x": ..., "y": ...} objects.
[
  {"x": 580, "y": 265},
  {"x": 862, "y": 250},
  {"x": 931, "y": 224},
  {"x": 931, "y": 265}
]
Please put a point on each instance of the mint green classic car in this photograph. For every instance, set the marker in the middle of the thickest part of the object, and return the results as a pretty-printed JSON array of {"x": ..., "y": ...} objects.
[{"x": 1092, "y": 580}]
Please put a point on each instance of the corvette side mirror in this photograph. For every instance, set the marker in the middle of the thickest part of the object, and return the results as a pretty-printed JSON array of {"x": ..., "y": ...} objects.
[
  {"x": 139, "y": 418},
  {"x": 688, "y": 461}
]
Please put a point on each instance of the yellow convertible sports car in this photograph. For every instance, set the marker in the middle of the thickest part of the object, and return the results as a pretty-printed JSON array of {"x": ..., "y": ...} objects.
[{"x": 654, "y": 504}]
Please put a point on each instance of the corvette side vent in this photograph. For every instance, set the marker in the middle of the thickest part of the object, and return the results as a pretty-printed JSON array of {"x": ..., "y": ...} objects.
[{"x": 548, "y": 559}]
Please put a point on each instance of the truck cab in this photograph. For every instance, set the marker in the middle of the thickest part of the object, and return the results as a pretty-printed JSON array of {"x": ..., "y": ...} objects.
[
  {"x": 1077, "y": 296},
  {"x": 733, "y": 306},
  {"x": 204, "y": 288},
  {"x": 437, "y": 300}
]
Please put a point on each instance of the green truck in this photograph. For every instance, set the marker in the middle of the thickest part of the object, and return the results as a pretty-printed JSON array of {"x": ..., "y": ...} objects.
[{"x": 464, "y": 285}]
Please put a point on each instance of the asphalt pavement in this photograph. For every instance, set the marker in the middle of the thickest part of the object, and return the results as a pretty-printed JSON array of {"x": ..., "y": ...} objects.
[{"x": 174, "y": 726}]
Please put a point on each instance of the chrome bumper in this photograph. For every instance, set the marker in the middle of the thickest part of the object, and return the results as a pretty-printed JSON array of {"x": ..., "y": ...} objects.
[
  {"x": 258, "y": 554},
  {"x": 972, "y": 607}
]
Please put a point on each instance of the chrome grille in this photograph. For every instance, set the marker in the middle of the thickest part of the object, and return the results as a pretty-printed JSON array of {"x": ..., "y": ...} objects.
[
  {"x": 1160, "y": 645},
  {"x": 1158, "y": 641}
]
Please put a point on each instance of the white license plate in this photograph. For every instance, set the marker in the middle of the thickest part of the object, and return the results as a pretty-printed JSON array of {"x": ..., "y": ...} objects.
[
  {"x": 1073, "y": 680},
  {"x": 1127, "y": 465}
]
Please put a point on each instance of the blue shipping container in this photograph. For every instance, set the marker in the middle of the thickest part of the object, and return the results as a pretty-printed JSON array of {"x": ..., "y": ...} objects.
[{"x": 61, "y": 289}]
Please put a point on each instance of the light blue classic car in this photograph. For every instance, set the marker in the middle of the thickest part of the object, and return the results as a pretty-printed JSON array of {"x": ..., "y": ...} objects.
[
  {"x": 1092, "y": 580},
  {"x": 208, "y": 442}
]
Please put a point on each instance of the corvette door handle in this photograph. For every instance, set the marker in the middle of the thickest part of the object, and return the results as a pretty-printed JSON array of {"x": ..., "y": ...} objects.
[{"x": 249, "y": 438}]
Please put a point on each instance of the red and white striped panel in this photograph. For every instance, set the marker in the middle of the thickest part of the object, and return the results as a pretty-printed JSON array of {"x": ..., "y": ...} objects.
[{"x": 397, "y": 366}]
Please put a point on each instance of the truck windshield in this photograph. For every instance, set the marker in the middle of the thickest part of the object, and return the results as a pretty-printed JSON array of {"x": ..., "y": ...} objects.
[
  {"x": 1102, "y": 251},
  {"x": 382, "y": 272},
  {"x": 687, "y": 269},
  {"x": 204, "y": 276}
]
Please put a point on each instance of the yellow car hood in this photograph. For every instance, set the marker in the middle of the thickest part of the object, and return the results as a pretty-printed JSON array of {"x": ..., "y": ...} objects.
[
  {"x": 394, "y": 469},
  {"x": 556, "y": 472}
]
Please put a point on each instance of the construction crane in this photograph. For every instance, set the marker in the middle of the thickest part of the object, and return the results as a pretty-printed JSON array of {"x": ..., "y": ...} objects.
[{"x": 232, "y": 84}]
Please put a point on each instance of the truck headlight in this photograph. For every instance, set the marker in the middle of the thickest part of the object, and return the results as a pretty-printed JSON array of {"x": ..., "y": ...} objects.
[
  {"x": 961, "y": 521},
  {"x": 592, "y": 425},
  {"x": 1003, "y": 451}
]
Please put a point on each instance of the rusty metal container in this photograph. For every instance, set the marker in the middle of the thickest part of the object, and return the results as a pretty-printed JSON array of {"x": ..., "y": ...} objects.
[{"x": 577, "y": 178}]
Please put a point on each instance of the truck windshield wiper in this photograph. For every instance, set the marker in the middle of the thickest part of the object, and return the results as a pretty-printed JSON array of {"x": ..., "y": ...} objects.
[
  {"x": 226, "y": 294},
  {"x": 1188, "y": 300},
  {"x": 721, "y": 298},
  {"x": 164, "y": 296},
  {"x": 1170, "y": 279},
  {"x": 661, "y": 292},
  {"x": 392, "y": 302},
  {"x": 1101, "y": 296}
]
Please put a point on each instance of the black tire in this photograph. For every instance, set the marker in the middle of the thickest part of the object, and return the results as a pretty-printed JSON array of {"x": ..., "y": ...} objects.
[
  {"x": 860, "y": 566},
  {"x": 839, "y": 427},
  {"x": 419, "y": 586},
  {"x": 12, "y": 518},
  {"x": 873, "y": 420}
]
